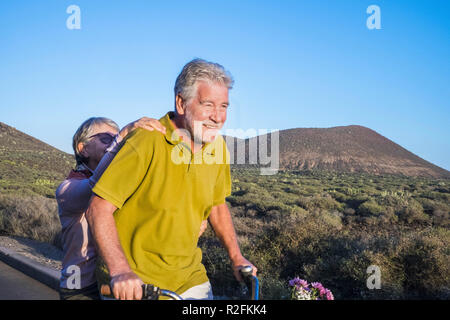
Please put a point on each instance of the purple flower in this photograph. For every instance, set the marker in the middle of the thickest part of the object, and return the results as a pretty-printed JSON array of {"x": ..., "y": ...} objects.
[
  {"x": 329, "y": 295},
  {"x": 317, "y": 285},
  {"x": 303, "y": 291},
  {"x": 294, "y": 281},
  {"x": 299, "y": 283},
  {"x": 303, "y": 283}
]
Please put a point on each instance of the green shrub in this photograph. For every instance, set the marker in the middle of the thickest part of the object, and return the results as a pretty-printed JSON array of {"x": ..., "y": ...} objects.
[
  {"x": 413, "y": 213},
  {"x": 426, "y": 265},
  {"x": 370, "y": 207},
  {"x": 441, "y": 218}
]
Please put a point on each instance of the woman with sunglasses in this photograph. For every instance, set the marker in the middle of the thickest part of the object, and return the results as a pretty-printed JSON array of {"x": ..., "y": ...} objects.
[{"x": 95, "y": 144}]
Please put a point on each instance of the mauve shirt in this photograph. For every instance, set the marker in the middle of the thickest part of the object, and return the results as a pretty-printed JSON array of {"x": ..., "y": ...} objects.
[{"x": 73, "y": 196}]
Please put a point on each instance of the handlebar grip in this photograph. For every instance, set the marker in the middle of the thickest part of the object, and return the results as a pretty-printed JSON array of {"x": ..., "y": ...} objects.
[
  {"x": 246, "y": 271},
  {"x": 251, "y": 281}
]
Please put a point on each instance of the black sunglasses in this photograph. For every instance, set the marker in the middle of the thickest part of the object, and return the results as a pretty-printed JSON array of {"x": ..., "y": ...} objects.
[{"x": 104, "y": 137}]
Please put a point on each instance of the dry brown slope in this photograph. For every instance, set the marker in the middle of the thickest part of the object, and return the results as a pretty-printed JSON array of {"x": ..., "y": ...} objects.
[{"x": 28, "y": 162}]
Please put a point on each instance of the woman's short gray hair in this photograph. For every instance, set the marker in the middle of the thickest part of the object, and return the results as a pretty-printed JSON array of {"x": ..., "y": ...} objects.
[
  {"x": 85, "y": 131},
  {"x": 200, "y": 70}
]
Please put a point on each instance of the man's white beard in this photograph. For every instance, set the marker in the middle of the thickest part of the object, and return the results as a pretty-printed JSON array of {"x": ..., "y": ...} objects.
[{"x": 195, "y": 128}]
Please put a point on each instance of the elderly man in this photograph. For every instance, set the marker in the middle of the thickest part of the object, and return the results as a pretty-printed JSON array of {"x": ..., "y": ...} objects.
[{"x": 150, "y": 202}]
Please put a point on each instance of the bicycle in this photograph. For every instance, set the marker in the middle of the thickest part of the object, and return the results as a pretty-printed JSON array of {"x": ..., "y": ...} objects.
[{"x": 151, "y": 292}]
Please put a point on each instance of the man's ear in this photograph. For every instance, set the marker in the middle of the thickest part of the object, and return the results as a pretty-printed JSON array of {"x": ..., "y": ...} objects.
[
  {"x": 82, "y": 150},
  {"x": 180, "y": 104}
]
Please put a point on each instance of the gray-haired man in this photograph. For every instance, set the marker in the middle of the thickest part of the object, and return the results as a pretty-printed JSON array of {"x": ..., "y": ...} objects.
[{"x": 161, "y": 187}]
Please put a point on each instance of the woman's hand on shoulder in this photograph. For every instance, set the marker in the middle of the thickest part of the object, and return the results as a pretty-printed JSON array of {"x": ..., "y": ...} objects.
[{"x": 146, "y": 123}]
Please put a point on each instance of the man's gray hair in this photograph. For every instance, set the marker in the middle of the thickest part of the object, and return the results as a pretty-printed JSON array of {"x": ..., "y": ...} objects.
[
  {"x": 85, "y": 131},
  {"x": 200, "y": 70}
]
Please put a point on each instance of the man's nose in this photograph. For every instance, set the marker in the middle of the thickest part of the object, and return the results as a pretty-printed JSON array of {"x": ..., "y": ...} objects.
[{"x": 217, "y": 115}]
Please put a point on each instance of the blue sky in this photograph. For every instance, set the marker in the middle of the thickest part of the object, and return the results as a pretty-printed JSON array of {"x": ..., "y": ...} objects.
[{"x": 295, "y": 64}]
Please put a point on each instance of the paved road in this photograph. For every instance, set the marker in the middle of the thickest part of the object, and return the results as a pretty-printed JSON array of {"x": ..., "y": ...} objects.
[{"x": 15, "y": 285}]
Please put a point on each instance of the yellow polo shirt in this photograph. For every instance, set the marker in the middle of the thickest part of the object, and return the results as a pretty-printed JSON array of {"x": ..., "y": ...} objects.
[{"x": 163, "y": 192}]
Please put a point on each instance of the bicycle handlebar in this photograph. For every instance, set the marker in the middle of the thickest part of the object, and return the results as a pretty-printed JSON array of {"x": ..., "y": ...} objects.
[{"x": 149, "y": 292}]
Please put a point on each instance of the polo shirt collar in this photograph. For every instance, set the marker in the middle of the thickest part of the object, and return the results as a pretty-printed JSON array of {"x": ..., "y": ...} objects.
[{"x": 171, "y": 136}]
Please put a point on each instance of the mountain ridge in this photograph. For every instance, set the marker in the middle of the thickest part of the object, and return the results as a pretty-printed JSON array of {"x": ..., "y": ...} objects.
[{"x": 352, "y": 148}]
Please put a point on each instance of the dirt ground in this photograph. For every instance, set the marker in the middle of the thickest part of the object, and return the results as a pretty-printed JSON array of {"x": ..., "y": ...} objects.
[{"x": 41, "y": 252}]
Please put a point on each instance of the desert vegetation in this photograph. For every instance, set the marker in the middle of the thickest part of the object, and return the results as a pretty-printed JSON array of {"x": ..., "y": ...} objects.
[
  {"x": 321, "y": 226},
  {"x": 30, "y": 216},
  {"x": 330, "y": 227}
]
